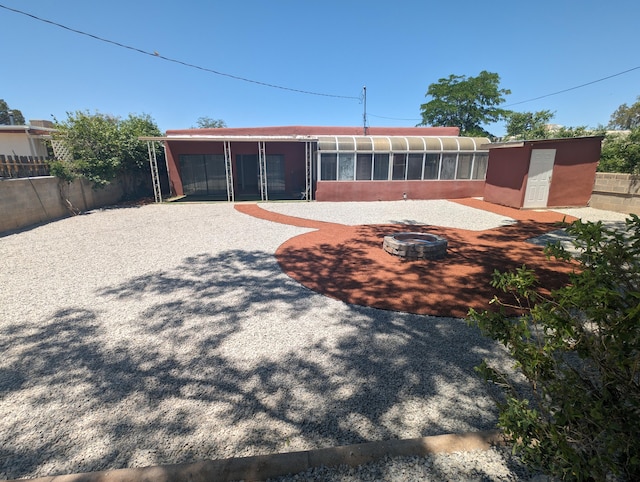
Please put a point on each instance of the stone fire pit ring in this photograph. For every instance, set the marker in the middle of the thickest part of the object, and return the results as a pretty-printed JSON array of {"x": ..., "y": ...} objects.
[{"x": 415, "y": 245}]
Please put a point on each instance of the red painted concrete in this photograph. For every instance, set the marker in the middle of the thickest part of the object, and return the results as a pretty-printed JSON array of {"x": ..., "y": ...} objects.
[
  {"x": 394, "y": 190},
  {"x": 349, "y": 264}
]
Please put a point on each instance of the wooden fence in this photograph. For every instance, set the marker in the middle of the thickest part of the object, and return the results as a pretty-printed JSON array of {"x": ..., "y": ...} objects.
[{"x": 23, "y": 166}]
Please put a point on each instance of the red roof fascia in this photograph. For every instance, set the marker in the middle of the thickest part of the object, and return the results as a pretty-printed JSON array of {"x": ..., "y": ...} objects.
[{"x": 317, "y": 131}]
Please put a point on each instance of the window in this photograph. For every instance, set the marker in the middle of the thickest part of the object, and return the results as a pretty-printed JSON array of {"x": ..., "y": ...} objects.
[
  {"x": 380, "y": 167},
  {"x": 328, "y": 167},
  {"x": 345, "y": 166},
  {"x": 399, "y": 165},
  {"x": 363, "y": 167},
  {"x": 448, "y": 166},
  {"x": 414, "y": 166},
  {"x": 431, "y": 166},
  {"x": 464, "y": 166},
  {"x": 480, "y": 165}
]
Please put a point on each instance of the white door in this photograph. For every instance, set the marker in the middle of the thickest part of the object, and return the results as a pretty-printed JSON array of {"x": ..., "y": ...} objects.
[{"x": 539, "y": 179}]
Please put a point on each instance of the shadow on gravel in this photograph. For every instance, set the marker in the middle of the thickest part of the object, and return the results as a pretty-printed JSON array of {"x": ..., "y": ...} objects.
[
  {"x": 227, "y": 357},
  {"x": 349, "y": 264}
]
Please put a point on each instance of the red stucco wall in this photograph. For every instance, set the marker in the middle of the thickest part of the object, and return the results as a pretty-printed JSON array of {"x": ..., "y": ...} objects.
[
  {"x": 394, "y": 190},
  {"x": 574, "y": 171},
  {"x": 506, "y": 176}
]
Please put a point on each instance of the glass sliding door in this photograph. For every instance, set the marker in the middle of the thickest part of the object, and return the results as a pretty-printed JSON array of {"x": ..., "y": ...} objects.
[
  {"x": 275, "y": 175},
  {"x": 203, "y": 175},
  {"x": 247, "y": 177}
]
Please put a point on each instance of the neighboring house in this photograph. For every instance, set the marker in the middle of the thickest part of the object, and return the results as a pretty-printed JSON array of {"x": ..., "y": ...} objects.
[
  {"x": 23, "y": 149},
  {"x": 324, "y": 163}
]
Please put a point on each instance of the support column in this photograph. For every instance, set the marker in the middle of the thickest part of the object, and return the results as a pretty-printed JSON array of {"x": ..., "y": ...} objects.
[
  {"x": 228, "y": 168},
  {"x": 262, "y": 162},
  {"x": 155, "y": 178},
  {"x": 308, "y": 178}
]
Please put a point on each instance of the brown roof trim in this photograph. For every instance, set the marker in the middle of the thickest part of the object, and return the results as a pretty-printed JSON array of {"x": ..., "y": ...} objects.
[{"x": 318, "y": 131}]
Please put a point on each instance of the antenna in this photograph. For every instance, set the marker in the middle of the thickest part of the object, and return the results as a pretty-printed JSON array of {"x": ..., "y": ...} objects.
[{"x": 364, "y": 115}]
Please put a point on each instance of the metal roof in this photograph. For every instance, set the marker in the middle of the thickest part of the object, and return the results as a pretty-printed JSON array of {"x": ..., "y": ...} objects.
[{"x": 401, "y": 143}]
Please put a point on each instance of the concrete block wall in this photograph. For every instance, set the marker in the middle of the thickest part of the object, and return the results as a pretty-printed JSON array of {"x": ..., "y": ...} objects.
[
  {"x": 28, "y": 201},
  {"x": 616, "y": 192}
]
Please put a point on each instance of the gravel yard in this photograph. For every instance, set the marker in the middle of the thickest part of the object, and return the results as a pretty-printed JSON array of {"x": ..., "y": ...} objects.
[{"x": 161, "y": 334}]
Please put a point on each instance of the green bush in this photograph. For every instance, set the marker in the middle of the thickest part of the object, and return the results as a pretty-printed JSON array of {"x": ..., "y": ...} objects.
[
  {"x": 621, "y": 153},
  {"x": 103, "y": 147},
  {"x": 578, "y": 415}
]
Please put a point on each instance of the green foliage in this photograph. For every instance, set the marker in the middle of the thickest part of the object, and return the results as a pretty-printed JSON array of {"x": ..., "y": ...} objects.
[
  {"x": 621, "y": 153},
  {"x": 18, "y": 118},
  {"x": 465, "y": 102},
  {"x": 579, "y": 350},
  {"x": 626, "y": 117},
  {"x": 208, "y": 122},
  {"x": 103, "y": 146},
  {"x": 579, "y": 131},
  {"x": 528, "y": 125},
  {"x": 65, "y": 171}
]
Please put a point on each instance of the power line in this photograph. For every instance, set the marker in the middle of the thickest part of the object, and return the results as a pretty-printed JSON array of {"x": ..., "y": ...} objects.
[
  {"x": 393, "y": 118},
  {"x": 574, "y": 88},
  {"x": 175, "y": 61},
  {"x": 542, "y": 96}
]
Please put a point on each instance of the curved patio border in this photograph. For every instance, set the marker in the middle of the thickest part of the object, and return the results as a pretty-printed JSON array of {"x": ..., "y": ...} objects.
[{"x": 348, "y": 263}]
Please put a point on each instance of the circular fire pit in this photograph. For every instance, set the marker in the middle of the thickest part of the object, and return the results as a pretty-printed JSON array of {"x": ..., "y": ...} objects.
[{"x": 415, "y": 245}]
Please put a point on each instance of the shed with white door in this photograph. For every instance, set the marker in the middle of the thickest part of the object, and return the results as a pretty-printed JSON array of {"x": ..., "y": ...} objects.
[{"x": 542, "y": 173}]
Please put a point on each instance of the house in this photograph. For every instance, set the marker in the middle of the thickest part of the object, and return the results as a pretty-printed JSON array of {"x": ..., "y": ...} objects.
[
  {"x": 323, "y": 163},
  {"x": 23, "y": 149}
]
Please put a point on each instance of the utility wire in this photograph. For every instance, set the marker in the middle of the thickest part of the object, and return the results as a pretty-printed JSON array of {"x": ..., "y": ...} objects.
[
  {"x": 574, "y": 88},
  {"x": 236, "y": 77},
  {"x": 175, "y": 61},
  {"x": 542, "y": 96},
  {"x": 392, "y": 118}
]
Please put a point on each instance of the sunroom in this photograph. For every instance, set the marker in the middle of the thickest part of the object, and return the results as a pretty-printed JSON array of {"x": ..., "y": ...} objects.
[{"x": 395, "y": 167}]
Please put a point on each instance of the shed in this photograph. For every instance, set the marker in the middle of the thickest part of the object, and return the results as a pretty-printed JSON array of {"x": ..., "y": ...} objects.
[{"x": 542, "y": 173}]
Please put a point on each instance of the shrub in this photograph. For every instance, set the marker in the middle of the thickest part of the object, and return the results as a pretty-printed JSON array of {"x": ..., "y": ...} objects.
[{"x": 579, "y": 350}]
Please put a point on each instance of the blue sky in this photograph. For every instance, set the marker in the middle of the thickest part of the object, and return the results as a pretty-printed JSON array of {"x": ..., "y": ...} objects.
[{"x": 333, "y": 47}]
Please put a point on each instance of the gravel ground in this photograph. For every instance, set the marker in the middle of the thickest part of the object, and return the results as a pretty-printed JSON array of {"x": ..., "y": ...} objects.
[{"x": 167, "y": 333}]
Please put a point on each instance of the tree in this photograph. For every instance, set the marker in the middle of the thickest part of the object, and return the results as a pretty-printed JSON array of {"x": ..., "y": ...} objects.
[
  {"x": 465, "y": 102},
  {"x": 579, "y": 349},
  {"x": 208, "y": 122},
  {"x": 528, "y": 125},
  {"x": 621, "y": 153},
  {"x": 104, "y": 147},
  {"x": 5, "y": 111},
  {"x": 626, "y": 117}
]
